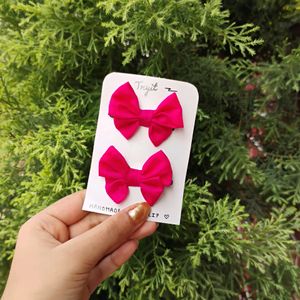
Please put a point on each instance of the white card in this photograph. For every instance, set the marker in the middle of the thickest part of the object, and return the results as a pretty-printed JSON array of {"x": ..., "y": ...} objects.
[{"x": 151, "y": 91}]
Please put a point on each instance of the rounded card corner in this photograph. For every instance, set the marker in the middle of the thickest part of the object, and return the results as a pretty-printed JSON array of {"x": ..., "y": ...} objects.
[
  {"x": 193, "y": 88},
  {"x": 109, "y": 76}
]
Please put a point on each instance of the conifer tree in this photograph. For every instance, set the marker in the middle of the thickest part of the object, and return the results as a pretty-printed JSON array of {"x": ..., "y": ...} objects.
[{"x": 238, "y": 235}]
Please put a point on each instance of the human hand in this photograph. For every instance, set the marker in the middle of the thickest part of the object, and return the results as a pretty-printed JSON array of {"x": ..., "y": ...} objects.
[{"x": 64, "y": 252}]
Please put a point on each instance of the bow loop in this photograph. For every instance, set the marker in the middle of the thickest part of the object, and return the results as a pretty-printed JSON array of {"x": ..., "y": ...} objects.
[
  {"x": 112, "y": 164},
  {"x": 154, "y": 176},
  {"x": 124, "y": 108},
  {"x": 169, "y": 113},
  {"x": 114, "y": 168},
  {"x": 158, "y": 166}
]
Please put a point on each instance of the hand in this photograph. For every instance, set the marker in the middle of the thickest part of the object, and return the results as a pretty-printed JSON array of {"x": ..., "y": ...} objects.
[{"x": 64, "y": 252}]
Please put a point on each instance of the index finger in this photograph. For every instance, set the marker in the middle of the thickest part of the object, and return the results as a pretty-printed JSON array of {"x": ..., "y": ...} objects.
[
  {"x": 91, "y": 246},
  {"x": 68, "y": 209}
]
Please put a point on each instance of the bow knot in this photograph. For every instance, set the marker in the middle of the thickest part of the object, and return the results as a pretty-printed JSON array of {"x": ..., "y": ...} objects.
[
  {"x": 124, "y": 108},
  {"x": 155, "y": 175},
  {"x": 145, "y": 117},
  {"x": 134, "y": 177}
]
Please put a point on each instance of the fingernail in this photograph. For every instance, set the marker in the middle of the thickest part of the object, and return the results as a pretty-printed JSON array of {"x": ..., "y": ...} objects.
[{"x": 139, "y": 213}]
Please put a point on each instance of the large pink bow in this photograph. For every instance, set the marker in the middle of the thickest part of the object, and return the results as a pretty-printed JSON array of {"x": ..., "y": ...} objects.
[
  {"x": 154, "y": 176},
  {"x": 124, "y": 108}
]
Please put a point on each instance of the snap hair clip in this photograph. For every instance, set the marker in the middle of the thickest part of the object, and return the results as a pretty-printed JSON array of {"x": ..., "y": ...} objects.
[
  {"x": 128, "y": 117},
  {"x": 155, "y": 175}
]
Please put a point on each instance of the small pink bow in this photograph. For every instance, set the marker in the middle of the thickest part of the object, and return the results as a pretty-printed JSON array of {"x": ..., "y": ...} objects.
[
  {"x": 155, "y": 175},
  {"x": 124, "y": 108}
]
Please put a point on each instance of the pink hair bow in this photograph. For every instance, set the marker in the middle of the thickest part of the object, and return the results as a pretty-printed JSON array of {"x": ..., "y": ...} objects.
[
  {"x": 124, "y": 108},
  {"x": 155, "y": 175}
]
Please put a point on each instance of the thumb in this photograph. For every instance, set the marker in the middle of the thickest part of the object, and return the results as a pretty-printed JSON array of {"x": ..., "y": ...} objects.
[{"x": 91, "y": 246}]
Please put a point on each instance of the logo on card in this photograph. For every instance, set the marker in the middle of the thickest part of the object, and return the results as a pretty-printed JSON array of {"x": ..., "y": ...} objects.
[
  {"x": 146, "y": 88},
  {"x": 167, "y": 216}
]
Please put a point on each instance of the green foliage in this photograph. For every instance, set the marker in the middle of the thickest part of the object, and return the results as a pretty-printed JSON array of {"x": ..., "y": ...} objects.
[
  {"x": 278, "y": 21},
  {"x": 209, "y": 256},
  {"x": 240, "y": 209}
]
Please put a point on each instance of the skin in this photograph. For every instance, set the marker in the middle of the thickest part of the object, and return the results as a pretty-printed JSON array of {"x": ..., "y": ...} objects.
[{"x": 65, "y": 253}]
